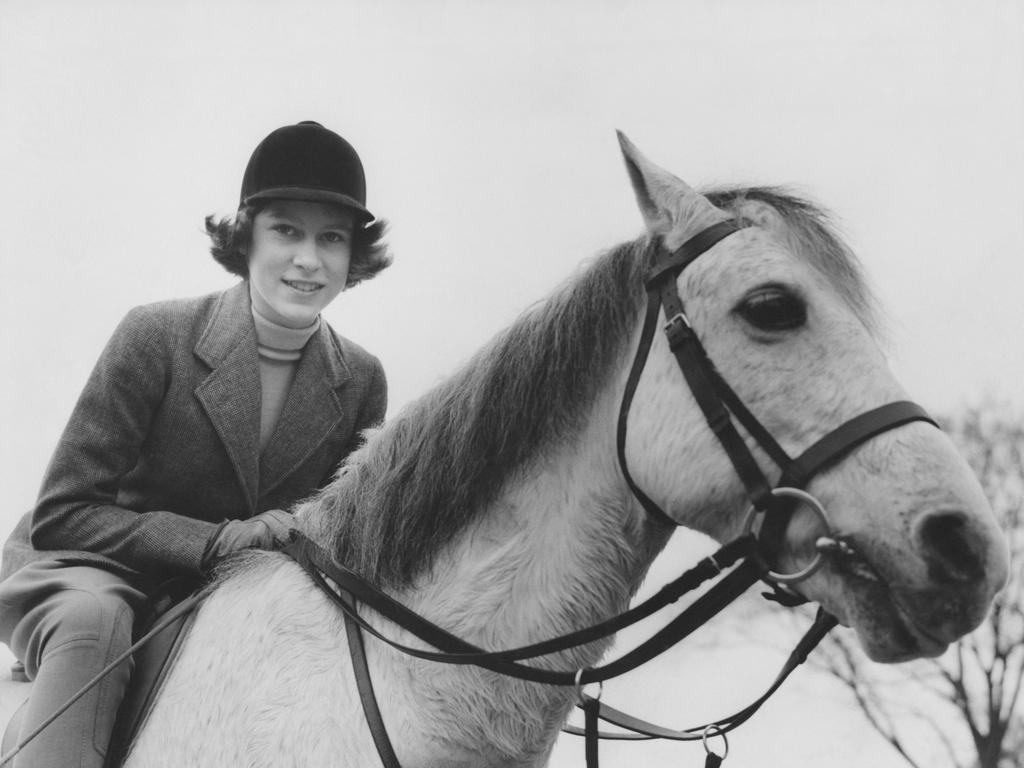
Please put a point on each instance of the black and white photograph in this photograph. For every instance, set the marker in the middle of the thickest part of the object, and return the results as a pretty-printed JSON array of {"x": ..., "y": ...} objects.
[{"x": 482, "y": 383}]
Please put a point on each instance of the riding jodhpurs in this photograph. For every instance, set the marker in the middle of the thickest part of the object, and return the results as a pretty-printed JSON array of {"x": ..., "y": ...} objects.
[{"x": 66, "y": 623}]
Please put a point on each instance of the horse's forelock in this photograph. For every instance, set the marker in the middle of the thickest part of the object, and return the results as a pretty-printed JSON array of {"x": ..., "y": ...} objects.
[{"x": 810, "y": 233}]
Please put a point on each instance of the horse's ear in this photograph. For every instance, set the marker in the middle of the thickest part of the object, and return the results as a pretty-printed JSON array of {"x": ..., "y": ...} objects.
[{"x": 670, "y": 207}]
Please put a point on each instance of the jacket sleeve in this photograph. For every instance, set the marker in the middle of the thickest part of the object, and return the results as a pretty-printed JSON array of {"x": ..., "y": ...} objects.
[{"x": 77, "y": 507}]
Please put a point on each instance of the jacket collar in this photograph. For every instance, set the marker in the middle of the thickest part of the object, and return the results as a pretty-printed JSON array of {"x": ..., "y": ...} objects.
[
  {"x": 231, "y": 395},
  {"x": 230, "y": 327}
]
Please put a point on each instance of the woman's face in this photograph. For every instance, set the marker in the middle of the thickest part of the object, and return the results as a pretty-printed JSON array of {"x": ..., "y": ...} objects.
[{"x": 298, "y": 259}]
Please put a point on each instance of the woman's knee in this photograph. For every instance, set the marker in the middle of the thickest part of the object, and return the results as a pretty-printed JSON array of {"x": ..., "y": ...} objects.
[
  {"x": 100, "y": 620},
  {"x": 82, "y": 614}
]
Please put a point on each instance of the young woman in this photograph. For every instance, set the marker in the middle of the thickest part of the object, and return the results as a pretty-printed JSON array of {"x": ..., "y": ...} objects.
[{"x": 203, "y": 420}]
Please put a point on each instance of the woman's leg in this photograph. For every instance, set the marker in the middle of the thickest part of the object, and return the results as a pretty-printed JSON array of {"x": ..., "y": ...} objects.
[{"x": 81, "y": 622}]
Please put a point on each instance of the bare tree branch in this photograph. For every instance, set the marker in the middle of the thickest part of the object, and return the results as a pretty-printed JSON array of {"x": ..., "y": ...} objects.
[{"x": 940, "y": 733}]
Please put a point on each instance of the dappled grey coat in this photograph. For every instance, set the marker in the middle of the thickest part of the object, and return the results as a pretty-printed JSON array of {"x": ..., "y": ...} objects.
[{"x": 163, "y": 443}]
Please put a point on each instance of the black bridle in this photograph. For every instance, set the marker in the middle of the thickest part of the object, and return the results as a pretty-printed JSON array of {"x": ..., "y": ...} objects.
[
  {"x": 720, "y": 405},
  {"x": 751, "y": 555}
]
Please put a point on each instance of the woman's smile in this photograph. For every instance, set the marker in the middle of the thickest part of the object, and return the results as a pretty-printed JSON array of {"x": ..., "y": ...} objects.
[{"x": 303, "y": 286}]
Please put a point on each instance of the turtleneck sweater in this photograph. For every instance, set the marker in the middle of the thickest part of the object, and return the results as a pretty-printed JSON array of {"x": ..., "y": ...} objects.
[{"x": 280, "y": 349}]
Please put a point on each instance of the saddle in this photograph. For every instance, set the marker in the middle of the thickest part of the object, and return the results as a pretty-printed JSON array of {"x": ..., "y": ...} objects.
[{"x": 153, "y": 661}]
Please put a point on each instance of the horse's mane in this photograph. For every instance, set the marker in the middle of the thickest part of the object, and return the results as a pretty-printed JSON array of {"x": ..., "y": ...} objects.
[{"x": 423, "y": 477}]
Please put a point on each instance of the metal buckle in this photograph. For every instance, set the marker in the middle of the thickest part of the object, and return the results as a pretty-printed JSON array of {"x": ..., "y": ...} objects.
[
  {"x": 807, "y": 500},
  {"x": 679, "y": 317},
  {"x": 718, "y": 567},
  {"x": 678, "y": 330}
]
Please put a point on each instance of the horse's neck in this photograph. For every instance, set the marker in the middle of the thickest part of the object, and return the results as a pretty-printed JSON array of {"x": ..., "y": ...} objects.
[
  {"x": 560, "y": 549},
  {"x": 557, "y": 548}
]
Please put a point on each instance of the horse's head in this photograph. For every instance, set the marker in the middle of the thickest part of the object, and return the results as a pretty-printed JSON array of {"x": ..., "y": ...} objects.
[{"x": 785, "y": 317}]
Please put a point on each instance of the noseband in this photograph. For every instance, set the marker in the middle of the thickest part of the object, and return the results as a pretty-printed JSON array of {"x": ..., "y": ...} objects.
[{"x": 720, "y": 404}]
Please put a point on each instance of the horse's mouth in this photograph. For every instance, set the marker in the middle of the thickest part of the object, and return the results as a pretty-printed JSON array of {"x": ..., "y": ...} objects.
[{"x": 888, "y": 626}]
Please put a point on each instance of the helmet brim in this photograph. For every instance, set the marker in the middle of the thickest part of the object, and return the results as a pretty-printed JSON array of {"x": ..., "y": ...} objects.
[{"x": 312, "y": 195}]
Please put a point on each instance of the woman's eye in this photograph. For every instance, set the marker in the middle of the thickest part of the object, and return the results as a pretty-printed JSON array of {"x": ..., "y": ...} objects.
[
  {"x": 773, "y": 309},
  {"x": 336, "y": 237},
  {"x": 284, "y": 229}
]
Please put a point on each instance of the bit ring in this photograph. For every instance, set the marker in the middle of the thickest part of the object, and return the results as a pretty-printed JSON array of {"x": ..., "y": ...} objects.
[{"x": 807, "y": 500}]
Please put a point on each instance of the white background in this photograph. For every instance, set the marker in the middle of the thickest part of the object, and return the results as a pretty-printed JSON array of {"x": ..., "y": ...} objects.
[{"x": 487, "y": 131}]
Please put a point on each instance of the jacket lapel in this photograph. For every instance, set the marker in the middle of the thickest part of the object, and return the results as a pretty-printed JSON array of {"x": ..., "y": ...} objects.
[
  {"x": 230, "y": 394},
  {"x": 311, "y": 412}
]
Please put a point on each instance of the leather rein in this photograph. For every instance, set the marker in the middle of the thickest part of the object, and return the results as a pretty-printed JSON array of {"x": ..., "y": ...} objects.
[{"x": 750, "y": 557}]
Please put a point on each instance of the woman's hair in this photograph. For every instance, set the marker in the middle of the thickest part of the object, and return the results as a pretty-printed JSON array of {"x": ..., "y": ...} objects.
[{"x": 231, "y": 235}]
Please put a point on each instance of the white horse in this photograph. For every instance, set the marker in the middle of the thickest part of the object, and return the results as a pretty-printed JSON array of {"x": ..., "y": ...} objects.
[{"x": 495, "y": 507}]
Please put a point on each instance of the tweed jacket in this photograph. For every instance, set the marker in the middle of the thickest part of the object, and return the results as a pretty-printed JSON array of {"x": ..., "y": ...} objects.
[{"x": 163, "y": 444}]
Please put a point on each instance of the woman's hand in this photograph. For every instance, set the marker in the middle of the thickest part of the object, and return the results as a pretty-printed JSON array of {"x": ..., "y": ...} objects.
[{"x": 266, "y": 530}]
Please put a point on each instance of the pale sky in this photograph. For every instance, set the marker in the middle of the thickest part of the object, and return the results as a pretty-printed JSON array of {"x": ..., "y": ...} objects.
[{"x": 488, "y": 134}]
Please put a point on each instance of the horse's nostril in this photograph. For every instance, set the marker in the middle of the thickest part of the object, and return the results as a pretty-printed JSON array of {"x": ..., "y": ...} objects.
[{"x": 950, "y": 548}]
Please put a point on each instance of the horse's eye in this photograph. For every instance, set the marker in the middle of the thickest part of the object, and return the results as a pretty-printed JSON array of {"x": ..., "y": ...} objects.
[{"x": 773, "y": 308}]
